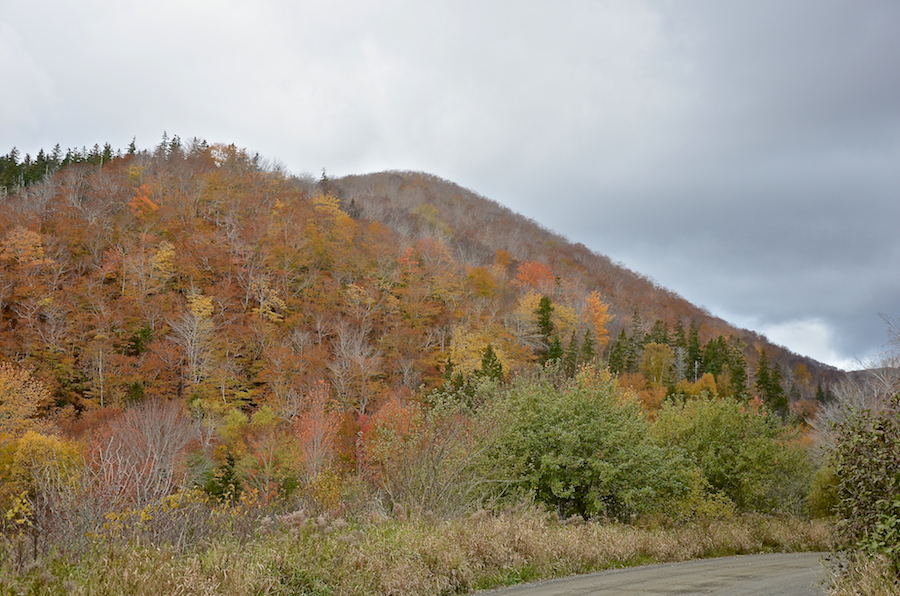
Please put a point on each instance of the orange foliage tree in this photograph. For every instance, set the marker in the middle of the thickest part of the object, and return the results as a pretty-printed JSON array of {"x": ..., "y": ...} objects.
[
  {"x": 598, "y": 313},
  {"x": 536, "y": 275}
]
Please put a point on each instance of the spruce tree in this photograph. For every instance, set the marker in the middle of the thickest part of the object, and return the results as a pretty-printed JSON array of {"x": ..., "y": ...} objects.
[
  {"x": 491, "y": 367},
  {"x": 555, "y": 350},
  {"x": 617, "y": 353},
  {"x": 634, "y": 349},
  {"x": 768, "y": 385},
  {"x": 695, "y": 356},
  {"x": 679, "y": 339},
  {"x": 570, "y": 360},
  {"x": 778, "y": 399},
  {"x": 738, "y": 368},
  {"x": 544, "y": 314},
  {"x": 587, "y": 347},
  {"x": 659, "y": 334}
]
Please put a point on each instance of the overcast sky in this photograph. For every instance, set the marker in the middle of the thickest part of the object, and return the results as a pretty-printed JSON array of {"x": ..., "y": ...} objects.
[{"x": 744, "y": 154}]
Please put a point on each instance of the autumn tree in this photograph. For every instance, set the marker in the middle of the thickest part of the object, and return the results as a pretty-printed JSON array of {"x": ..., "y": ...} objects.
[
  {"x": 657, "y": 363},
  {"x": 193, "y": 331},
  {"x": 138, "y": 457},
  {"x": 316, "y": 429},
  {"x": 537, "y": 276},
  {"x": 598, "y": 312},
  {"x": 21, "y": 398}
]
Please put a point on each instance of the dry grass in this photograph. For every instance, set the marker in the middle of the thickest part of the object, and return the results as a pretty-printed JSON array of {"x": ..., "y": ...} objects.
[
  {"x": 403, "y": 556},
  {"x": 865, "y": 576}
]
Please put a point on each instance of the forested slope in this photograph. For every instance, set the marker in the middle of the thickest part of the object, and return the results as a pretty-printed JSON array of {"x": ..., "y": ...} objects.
[
  {"x": 199, "y": 272},
  {"x": 332, "y": 384}
]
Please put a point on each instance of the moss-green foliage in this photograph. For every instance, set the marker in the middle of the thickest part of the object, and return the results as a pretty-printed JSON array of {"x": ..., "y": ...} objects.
[
  {"x": 582, "y": 448},
  {"x": 744, "y": 452},
  {"x": 823, "y": 496}
]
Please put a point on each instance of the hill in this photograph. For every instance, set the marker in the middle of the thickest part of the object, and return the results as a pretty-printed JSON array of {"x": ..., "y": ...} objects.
[{"x": 200, "y": 272}]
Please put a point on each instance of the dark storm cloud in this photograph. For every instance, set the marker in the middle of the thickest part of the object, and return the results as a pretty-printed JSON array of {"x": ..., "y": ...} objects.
[{"x": 743, "y": 154}]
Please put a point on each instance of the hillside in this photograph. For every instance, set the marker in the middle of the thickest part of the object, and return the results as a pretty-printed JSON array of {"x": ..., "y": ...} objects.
[
  {"x": 336, "y": 384},
  {"x": 199, "y": 272}
]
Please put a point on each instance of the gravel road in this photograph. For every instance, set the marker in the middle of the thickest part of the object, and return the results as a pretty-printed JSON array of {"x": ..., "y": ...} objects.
[{"x": 792, "y": 574}]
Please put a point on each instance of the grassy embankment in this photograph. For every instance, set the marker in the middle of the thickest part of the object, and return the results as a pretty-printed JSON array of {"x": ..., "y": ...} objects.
[{"x": 415, "y": 554}]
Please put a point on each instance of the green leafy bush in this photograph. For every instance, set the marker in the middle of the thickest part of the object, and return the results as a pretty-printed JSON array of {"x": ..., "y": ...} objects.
[
  {"x": 866, "y": 460},
  {"x": 743, "y": 452},
  {"x": 584, "y": 448}
]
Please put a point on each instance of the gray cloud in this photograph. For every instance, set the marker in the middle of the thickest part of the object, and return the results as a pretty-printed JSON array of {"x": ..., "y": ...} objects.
[{"x": 744, "y": 155}]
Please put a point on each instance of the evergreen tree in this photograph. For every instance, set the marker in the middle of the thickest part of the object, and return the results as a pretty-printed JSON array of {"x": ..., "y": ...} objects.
[
  {"x": 695, "y": 355},
  {"x": 544, "y": 314},
  {"x": 762, "y": 375},
  {"x": 715, "y": 356},
  {"x": 617, "y": 354},
  {"x": 823, "y": 396},
  {"x": 9, "y": 171},
  {"x": 659, "y": 334},
  {"x": 634, "y": 349},
  {"x": 587, "y": 347},
  {"x": 636, "y": 332},
  {"x": 107, "y": 155},
  {"x": 555, "y": 350},
  {"x": 768, "y": 385},
  {"x": 778, "y": 400},
  {"x": 491, "y": 367},
  {"x": 570, "y": 360},
  {"x": 679, "y": 339},
  {"x": 737, "y": 366}
]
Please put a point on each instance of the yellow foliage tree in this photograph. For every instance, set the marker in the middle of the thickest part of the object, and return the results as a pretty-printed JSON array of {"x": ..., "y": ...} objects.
[
  {"x": 162, "y": 265},
  {"x": 34, "y": 452},
  {"x": 271, "y": 306},
  {"x": 23, "y": 246},
  {"x": 341, "y": 226},
  {"x": 21, "y": 397},
  {"x": 705, "y": 385},
  {"x": 657, "y": 363},
  {"x": 25, "y": 464},
  {"x": 564, "y": 318},
  {"x": 467, "y": 347}
]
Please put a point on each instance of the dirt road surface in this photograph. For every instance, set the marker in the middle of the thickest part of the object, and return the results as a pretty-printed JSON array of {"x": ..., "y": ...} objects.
[{"x": 791, "y": 574}]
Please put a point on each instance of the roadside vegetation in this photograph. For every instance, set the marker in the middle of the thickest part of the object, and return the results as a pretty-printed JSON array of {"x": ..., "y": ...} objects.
[
  {"x": 861, "y": 482},
  {"x": 488, "y": 485}
]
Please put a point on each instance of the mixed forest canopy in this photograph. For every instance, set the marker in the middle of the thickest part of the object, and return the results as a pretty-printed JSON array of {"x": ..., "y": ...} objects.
[{"x": 199, "y": 272}]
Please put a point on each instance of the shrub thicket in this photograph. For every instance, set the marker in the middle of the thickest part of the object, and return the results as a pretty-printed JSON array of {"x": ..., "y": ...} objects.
[
  {"x": 866, "y": 461},
  {"x": 742, "y": 450},
  {"x": 584, "y": 448}
]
